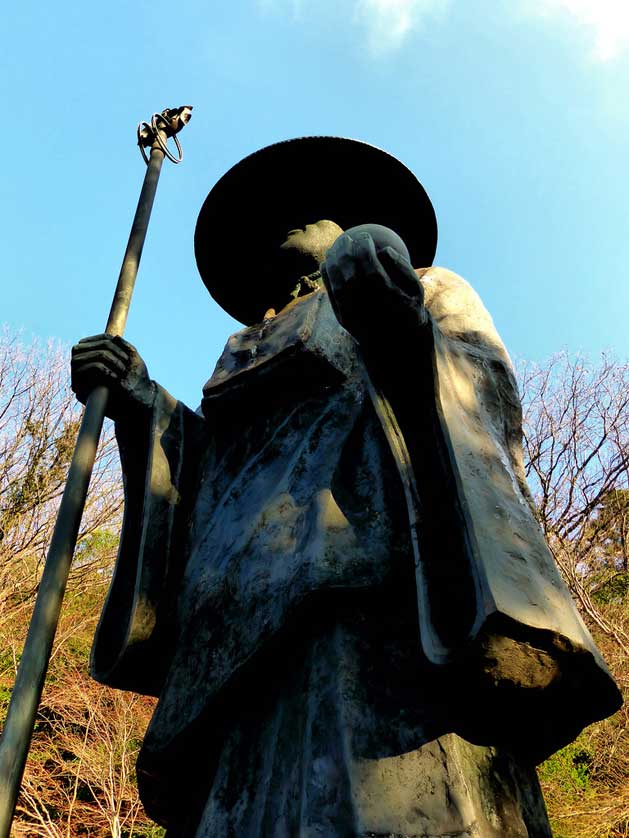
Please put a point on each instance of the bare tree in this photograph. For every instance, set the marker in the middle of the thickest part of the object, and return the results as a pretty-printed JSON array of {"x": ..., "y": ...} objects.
[
  {"x": 576, "y": 444},
  {"x": 576, "y": 447},
  {"x": 80, "y": 775},
  {"x": 83, "y": 775},
  {"x": 39, "y": 420}
]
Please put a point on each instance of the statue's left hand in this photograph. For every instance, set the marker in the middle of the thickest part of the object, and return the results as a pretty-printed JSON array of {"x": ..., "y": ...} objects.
[{"x": 373, "y": 294}]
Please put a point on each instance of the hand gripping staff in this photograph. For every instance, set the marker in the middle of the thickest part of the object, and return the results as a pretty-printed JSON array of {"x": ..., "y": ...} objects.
[{"x": 29, "y": 682}]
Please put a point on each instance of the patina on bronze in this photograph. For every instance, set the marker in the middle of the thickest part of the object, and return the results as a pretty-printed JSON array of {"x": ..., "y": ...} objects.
[
  {"x": 331, "y": 574},
  {"x": 29, "y": 682}
]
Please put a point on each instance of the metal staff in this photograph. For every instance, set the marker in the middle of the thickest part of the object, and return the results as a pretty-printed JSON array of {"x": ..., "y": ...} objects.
[{"x": 29, "y": 682}]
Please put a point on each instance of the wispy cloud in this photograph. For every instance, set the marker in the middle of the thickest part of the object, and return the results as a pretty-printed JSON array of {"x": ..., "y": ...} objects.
[
  {"x": 385, "y": 24},
  {"x": 607, "y": 21}
]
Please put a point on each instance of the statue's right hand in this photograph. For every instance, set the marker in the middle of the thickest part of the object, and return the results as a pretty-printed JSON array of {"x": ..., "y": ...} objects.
[{"x": 115, "y": 363}]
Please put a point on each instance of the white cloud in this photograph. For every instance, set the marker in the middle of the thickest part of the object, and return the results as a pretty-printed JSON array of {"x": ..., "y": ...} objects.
[
  {"x": 388, "y": 22},
  {"x": 385, "y": 23},
  {"x": 607, "y": 20}
]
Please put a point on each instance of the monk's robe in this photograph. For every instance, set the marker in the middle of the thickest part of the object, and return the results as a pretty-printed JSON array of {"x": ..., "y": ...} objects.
[{"x": 351, "y": 617}]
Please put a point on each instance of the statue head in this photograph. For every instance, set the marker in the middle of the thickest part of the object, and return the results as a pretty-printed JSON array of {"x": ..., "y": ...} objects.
[
  {"x": 299, "y": 257},
  {"x": 311, "y": 243},
  {"x": 276, "y": 195},
  {"x": 298, "y": 260}
]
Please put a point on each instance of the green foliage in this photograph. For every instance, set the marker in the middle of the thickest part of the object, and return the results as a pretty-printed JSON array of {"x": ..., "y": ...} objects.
[
  {"x": 613, "y": 589},
  {"x": 78, "y": 647},
  {"x": 47, "y": 460},
  {"x": 102, "y": 543},
  {"x": 5, "y": 697},
  {"x": 570, "y": 768},
  {"x": 148, "y": 830},
  {"x": 608, "y": 530}
]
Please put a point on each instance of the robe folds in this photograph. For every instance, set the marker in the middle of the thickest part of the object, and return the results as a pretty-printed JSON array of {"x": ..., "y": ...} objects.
[{"x": 280, "y": 507}]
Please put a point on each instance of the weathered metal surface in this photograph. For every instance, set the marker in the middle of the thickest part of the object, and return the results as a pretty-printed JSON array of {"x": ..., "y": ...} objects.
[{"x": 331, "y": 574}]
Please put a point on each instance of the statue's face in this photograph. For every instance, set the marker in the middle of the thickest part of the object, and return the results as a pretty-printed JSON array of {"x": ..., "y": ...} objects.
[
  {"x": 300, "y": 255},
  {"x": 312, "y": 242}
]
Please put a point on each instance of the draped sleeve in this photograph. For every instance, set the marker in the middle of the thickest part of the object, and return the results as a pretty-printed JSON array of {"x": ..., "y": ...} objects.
[
  {"x": 159, "y": 456},
  {"x": 517, "y": 642}
]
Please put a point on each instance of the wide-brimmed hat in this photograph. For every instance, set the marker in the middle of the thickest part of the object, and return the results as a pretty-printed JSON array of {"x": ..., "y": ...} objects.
[{"x": 246, "y": 216}]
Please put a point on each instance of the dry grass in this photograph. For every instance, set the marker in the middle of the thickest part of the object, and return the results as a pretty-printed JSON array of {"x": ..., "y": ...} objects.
[{"x": 586, "y": 786}]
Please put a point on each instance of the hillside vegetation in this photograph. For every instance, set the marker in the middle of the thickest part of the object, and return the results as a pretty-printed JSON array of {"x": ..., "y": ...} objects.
[{"x": 80, "y": 778}]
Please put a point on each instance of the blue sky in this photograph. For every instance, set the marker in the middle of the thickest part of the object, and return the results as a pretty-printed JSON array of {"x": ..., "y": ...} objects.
[{"x": 514, "y": 114}]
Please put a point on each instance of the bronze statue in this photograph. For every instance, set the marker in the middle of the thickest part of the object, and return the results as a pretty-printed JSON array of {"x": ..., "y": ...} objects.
[{"x": 331, "y": 573}]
